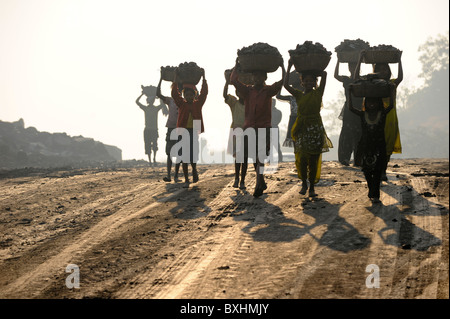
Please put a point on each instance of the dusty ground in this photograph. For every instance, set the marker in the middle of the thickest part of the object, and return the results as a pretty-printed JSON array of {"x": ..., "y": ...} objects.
[{"x": 135, "y": 236}]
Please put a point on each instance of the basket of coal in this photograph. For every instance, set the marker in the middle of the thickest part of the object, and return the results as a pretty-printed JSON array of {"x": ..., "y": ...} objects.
[
  {"x": 168, "y": 73},
  {"x": 382, "y": 54},
  {"x": 348, "y": 50},
  {"x": 189, "y": 73},
  {"x": 371, "y": 87},
  {"x": 310, "y": 58},
  {"x": 259, "y": 57}
]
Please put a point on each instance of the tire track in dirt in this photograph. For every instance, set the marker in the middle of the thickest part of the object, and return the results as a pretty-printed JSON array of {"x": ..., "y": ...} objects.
[
  {"x": 170, "y": 277},
  {"x": 399, "y": 248},
  {"x": 227, "y": 268},
  {"x": 190, "y": 274},
  {"x": 235, "y": 245},
  {"x": 383, "y": 251},
  {"x": 424, "y": 223},
  {"x": 34, "y": 281},
  {"x": 384, "y": 243},
  {"x": 225, "y": 264},
  {"x": 318, "y": 264},
  {"x": 26, "y": 187},
  {"x": 276, "y": 246},
  {"x": 212, "y": 267},
  {"x": 108, "y": 202},
  {"x": 265, "y": 278}
]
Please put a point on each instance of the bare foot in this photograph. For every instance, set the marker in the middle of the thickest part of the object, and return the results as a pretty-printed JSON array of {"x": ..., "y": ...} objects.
[
  {"x": 195, "y": 176},
  {"x": 304, "y": 189},
  {"x": 258, "y": 191}
]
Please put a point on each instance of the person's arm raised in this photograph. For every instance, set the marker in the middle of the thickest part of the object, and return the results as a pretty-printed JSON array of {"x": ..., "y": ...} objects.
[
  {"x": 356, "y": 75},
  {"x": 340, "y": 78},
  {"x": 286, "y": 85},
  {"x": 323, "y": 80},
  {"x": 225, "y": 88},
  {"x": 158, "y": 89},
  {"x": 234, "y": 79},
  {"x": 400, "y": 71},
  {"x": 139, "y": 103}
]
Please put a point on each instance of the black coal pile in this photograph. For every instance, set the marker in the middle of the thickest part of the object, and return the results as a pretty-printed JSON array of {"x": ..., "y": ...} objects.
[
  {"x": 309, "y": 47},
  {"x": 188, "y": 65},
  {"x": 352, "y": 45},
  {"x": 259, "y": 48},
  {"x": 27, "y": 147},
  {"x": 384, "y": 47}
]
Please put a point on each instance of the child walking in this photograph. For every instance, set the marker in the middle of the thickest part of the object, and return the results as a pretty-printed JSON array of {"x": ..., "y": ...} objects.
[
  {"x": 151, "y": 122},
  {"x": 308, "y": 132},
  {"x": 258, "y": 114},
  {"x": 189, "y": 109},
  {"x": 391, "y": 131},
  {"x": 171, "y": 125},
  {"x": 372, "y": 145},
  {"x": 237, "y": 109}
]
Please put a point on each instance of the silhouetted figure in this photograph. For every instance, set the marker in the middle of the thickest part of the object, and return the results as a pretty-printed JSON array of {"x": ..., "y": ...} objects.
[
  {"x": 308, "y": 132},
  {"x": 372, "y": 145},
  {"x": 392, "y": 131},
  {"x": 151, "y": 121},
  {"x": 171, "y": 125},
  {"x": 258, "y": 114},
  {"x": 351, "y": 124},
  {"x": 189, "y": 109},
  {"x": 237, "y": 109}
]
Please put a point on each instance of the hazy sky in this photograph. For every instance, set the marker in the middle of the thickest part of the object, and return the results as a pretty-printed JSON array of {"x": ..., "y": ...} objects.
[{"x": 77, "y": 66}]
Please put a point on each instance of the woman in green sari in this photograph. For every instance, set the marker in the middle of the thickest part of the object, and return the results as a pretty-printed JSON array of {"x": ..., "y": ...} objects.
[{"x": 308, "y": 132}]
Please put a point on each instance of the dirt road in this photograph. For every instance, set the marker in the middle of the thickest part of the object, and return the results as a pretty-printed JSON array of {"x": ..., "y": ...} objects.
[{"x": 134, "y": 236}]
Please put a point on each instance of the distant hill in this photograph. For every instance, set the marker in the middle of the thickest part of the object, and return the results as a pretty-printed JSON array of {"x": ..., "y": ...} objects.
[{"x": 27, "y": 147}]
